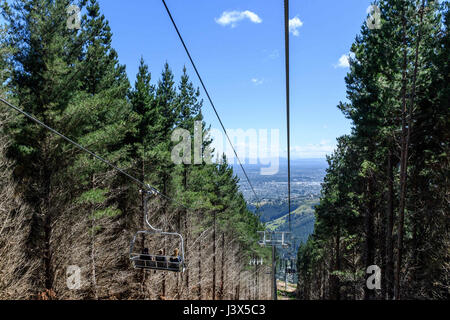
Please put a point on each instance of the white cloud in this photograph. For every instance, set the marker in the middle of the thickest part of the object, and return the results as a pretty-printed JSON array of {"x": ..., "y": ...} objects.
[
  {"x": 232, "y": 17},
  {"x": 257, "y": 81},
  {"x": 294, "y": 24},
  {"x": 344, "y": 60},
  {"x": 313, "y": 150}
]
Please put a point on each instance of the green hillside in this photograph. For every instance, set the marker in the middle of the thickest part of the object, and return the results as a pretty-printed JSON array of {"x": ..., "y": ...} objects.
[{"x": 302, "y": 220}]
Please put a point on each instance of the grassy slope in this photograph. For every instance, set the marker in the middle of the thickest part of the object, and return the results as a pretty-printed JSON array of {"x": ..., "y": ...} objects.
[{"x": 302, "y": 220}]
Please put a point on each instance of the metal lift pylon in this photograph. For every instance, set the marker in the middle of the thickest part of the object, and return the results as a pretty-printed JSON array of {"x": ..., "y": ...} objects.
[{"x": 274, "y": 239}]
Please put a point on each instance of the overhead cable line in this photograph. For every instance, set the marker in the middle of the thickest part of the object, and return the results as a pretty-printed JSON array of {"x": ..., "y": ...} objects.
[
  {"x": 139, "y": 182},
  {"x": 209, "y": 97},
  {"x": 288, "y": 101}
]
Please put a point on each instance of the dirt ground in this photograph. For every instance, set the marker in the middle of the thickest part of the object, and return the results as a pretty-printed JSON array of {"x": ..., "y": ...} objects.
[{"x": 284, "y": 294}]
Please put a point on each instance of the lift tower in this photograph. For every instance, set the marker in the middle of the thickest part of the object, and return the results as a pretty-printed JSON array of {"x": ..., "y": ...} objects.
[{"x": 274, "y": 239}]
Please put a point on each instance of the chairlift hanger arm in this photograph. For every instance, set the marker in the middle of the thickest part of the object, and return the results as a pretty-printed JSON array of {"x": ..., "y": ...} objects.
[{"x": 147, "y": 194}]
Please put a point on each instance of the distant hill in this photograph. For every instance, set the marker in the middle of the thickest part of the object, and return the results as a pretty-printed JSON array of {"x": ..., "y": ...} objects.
[
  {"x": 302, "y": 221},
  {"x": 273, "y": 209}
]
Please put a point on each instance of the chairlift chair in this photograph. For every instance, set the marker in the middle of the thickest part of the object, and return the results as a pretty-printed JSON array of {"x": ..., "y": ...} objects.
[
  {"x": 292, "y": 266},
  {"x": 291, "y": 271},
  {"x": 272, "y": 238},
  {"x": 256, "y": 262},
  {"x": 146, "y": 261}
]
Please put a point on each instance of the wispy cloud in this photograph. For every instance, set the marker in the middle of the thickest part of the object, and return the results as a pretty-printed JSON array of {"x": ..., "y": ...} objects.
[
  {"x": 270, "y": 55},
  {"x": 257, "y": 81},
  {"x": 313, "y": 150},
  {"x": 231, "y": 18},
  {"x": 294, "y": 24},
  {"x": 274, "y": 54}
]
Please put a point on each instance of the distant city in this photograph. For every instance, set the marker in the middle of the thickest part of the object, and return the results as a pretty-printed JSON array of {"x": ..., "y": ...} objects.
[{"x": 306, "y": 178}]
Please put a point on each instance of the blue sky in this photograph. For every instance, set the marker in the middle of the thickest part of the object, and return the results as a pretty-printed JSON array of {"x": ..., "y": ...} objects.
[{"x": 238, "y": 46}]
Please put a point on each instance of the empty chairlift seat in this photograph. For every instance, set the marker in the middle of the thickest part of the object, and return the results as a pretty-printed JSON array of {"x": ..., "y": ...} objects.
[{"x": 274, "y": 238}]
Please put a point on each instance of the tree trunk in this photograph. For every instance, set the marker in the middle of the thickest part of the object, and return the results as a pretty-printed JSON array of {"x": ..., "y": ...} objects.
[
  {"x": 47, "y": 230},
  {"x": 214, "y": 259},
  {"x": 163, "y": 284},
  {"x": 144, "y": 226},
  {"x": 186, "y": 227},
  {"x": 93, "y": 275},
  {"x": 238, "y": 286},
  {"x": 402, "y": 167},
  {"x": 389, "y": 274},
  {"x": 381, "y": 240},
  {"x": 370, "y": 236},
  {"x": 222, "y": 271},
  {"x": 200, "y": 270},
  {"x": 406, "y": 134},
  {"x": 335, "y": 283}
]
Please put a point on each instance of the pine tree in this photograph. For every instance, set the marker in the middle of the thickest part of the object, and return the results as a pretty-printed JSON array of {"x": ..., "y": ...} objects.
[
  {"x": 49, "y": 80},
  {"x": 371, "y": 210}
]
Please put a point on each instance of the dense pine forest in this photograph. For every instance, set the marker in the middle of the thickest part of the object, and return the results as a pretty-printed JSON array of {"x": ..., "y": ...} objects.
[
  {"x": 385, "y": 198},
  {"x": 61, "y": 207}
]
